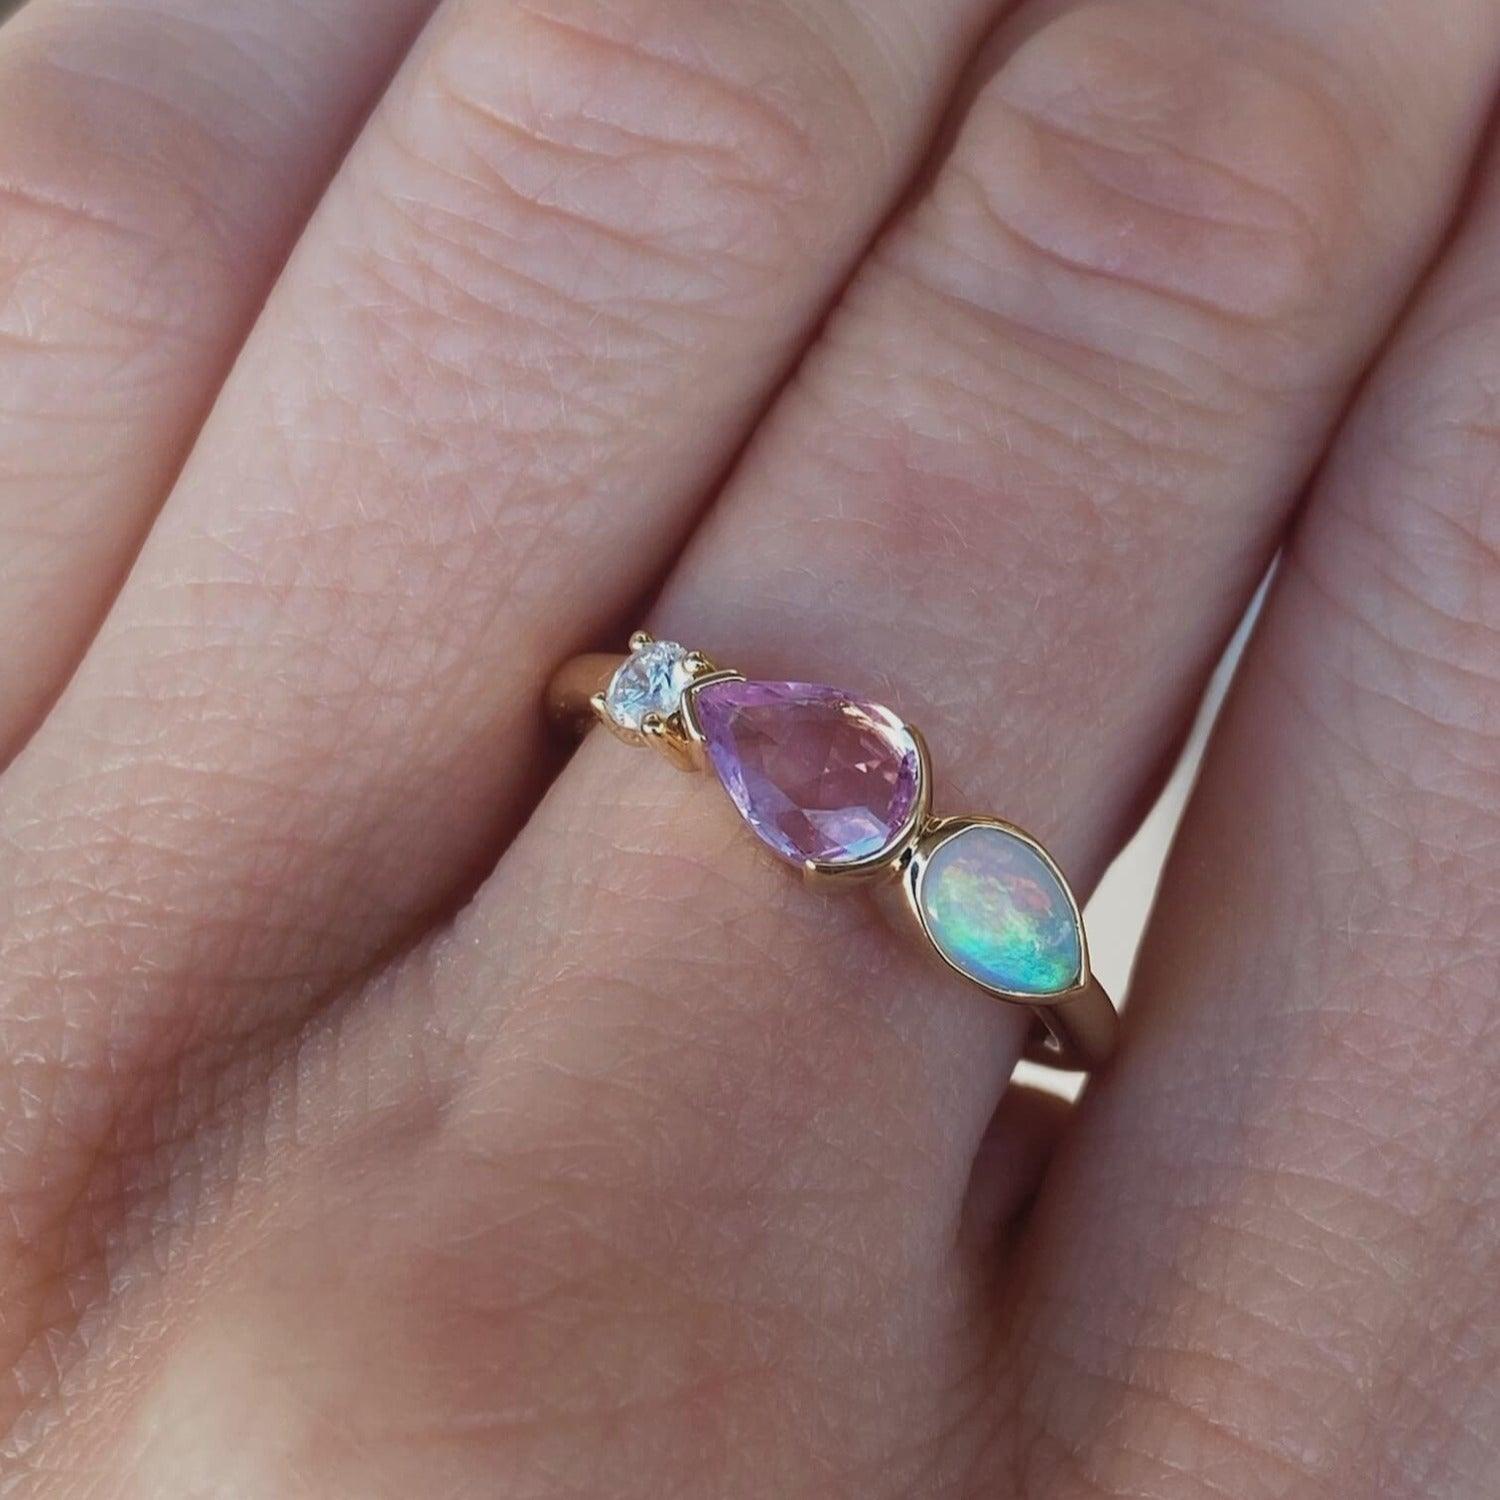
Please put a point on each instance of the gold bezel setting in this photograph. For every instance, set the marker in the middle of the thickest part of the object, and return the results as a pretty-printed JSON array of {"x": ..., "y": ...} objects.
[
  {"x": 938, "y": 834},
  {"x": 891, "y": 860}
]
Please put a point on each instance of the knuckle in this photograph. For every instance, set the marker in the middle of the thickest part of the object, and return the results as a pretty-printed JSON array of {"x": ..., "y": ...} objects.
[
  {"x": 116, "y": 259},
  {"x": 602, "y": 155},
  {"x": 1219, "y": 178},
  {"x": 1150, "y": 228}
]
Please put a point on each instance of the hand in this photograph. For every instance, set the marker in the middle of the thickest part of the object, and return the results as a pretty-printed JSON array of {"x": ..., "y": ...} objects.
[{"x": 379, "y": 1120}]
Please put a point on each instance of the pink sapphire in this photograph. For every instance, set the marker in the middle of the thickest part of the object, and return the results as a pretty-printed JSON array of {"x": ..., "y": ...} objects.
[{"x": 819, "y": 775}]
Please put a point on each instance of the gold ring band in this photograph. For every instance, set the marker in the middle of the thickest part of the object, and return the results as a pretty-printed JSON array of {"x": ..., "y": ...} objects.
[{"x": 841, "y": 787}]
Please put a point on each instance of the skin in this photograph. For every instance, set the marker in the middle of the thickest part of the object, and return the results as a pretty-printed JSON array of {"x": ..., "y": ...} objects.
[{"x": 390, "y": 1108}]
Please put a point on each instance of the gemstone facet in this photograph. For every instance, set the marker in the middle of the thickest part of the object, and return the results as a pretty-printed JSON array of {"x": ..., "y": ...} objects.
[
  {"x": 997, "y": 911},
  {"x": 650, "y": 681},
  {"x": 819, "y": 775}
]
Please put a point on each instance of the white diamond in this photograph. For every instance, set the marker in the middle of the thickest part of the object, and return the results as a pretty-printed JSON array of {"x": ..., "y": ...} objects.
[{"x": 651, "y": 681}]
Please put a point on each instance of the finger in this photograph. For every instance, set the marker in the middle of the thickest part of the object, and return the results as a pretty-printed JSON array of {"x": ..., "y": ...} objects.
[
  {"x": 572, "y": 251},
  {"x": 156, "y": 160},
  {"x": 1279, "y": 1219}
]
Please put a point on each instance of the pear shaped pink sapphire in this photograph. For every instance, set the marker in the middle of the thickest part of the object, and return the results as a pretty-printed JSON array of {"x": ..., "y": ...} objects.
[{"x": 817, "y": 774}]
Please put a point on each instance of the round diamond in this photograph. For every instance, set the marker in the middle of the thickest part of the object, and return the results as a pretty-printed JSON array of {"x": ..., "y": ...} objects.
[{"x": 651, "y": 681}]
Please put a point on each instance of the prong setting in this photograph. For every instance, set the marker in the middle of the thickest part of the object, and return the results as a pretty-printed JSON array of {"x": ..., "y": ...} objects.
[{"x": 667, "y": 734}]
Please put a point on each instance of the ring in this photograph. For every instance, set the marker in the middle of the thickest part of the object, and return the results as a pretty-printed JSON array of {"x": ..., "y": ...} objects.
[{"x": 841, "y": 787}]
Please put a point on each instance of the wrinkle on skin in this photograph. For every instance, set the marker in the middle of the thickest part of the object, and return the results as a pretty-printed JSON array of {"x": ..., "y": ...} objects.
[{"x": 156, "y": 166}]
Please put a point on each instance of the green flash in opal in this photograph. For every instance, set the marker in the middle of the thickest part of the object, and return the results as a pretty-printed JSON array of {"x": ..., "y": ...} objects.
[{"x": 997, "y": 912}]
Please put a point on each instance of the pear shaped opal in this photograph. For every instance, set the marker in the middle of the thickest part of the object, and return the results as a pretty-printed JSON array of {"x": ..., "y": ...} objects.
[
  {"x": 819, "y": 775},
  {"x": 996, "y": 910}
]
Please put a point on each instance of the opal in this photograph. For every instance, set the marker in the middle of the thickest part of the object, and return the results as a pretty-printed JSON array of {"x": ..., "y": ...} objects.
[
  {"x": 818, "y": 774},
  {"x": 997, "y": 912},
  {"x": 649, "y": 681}
]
